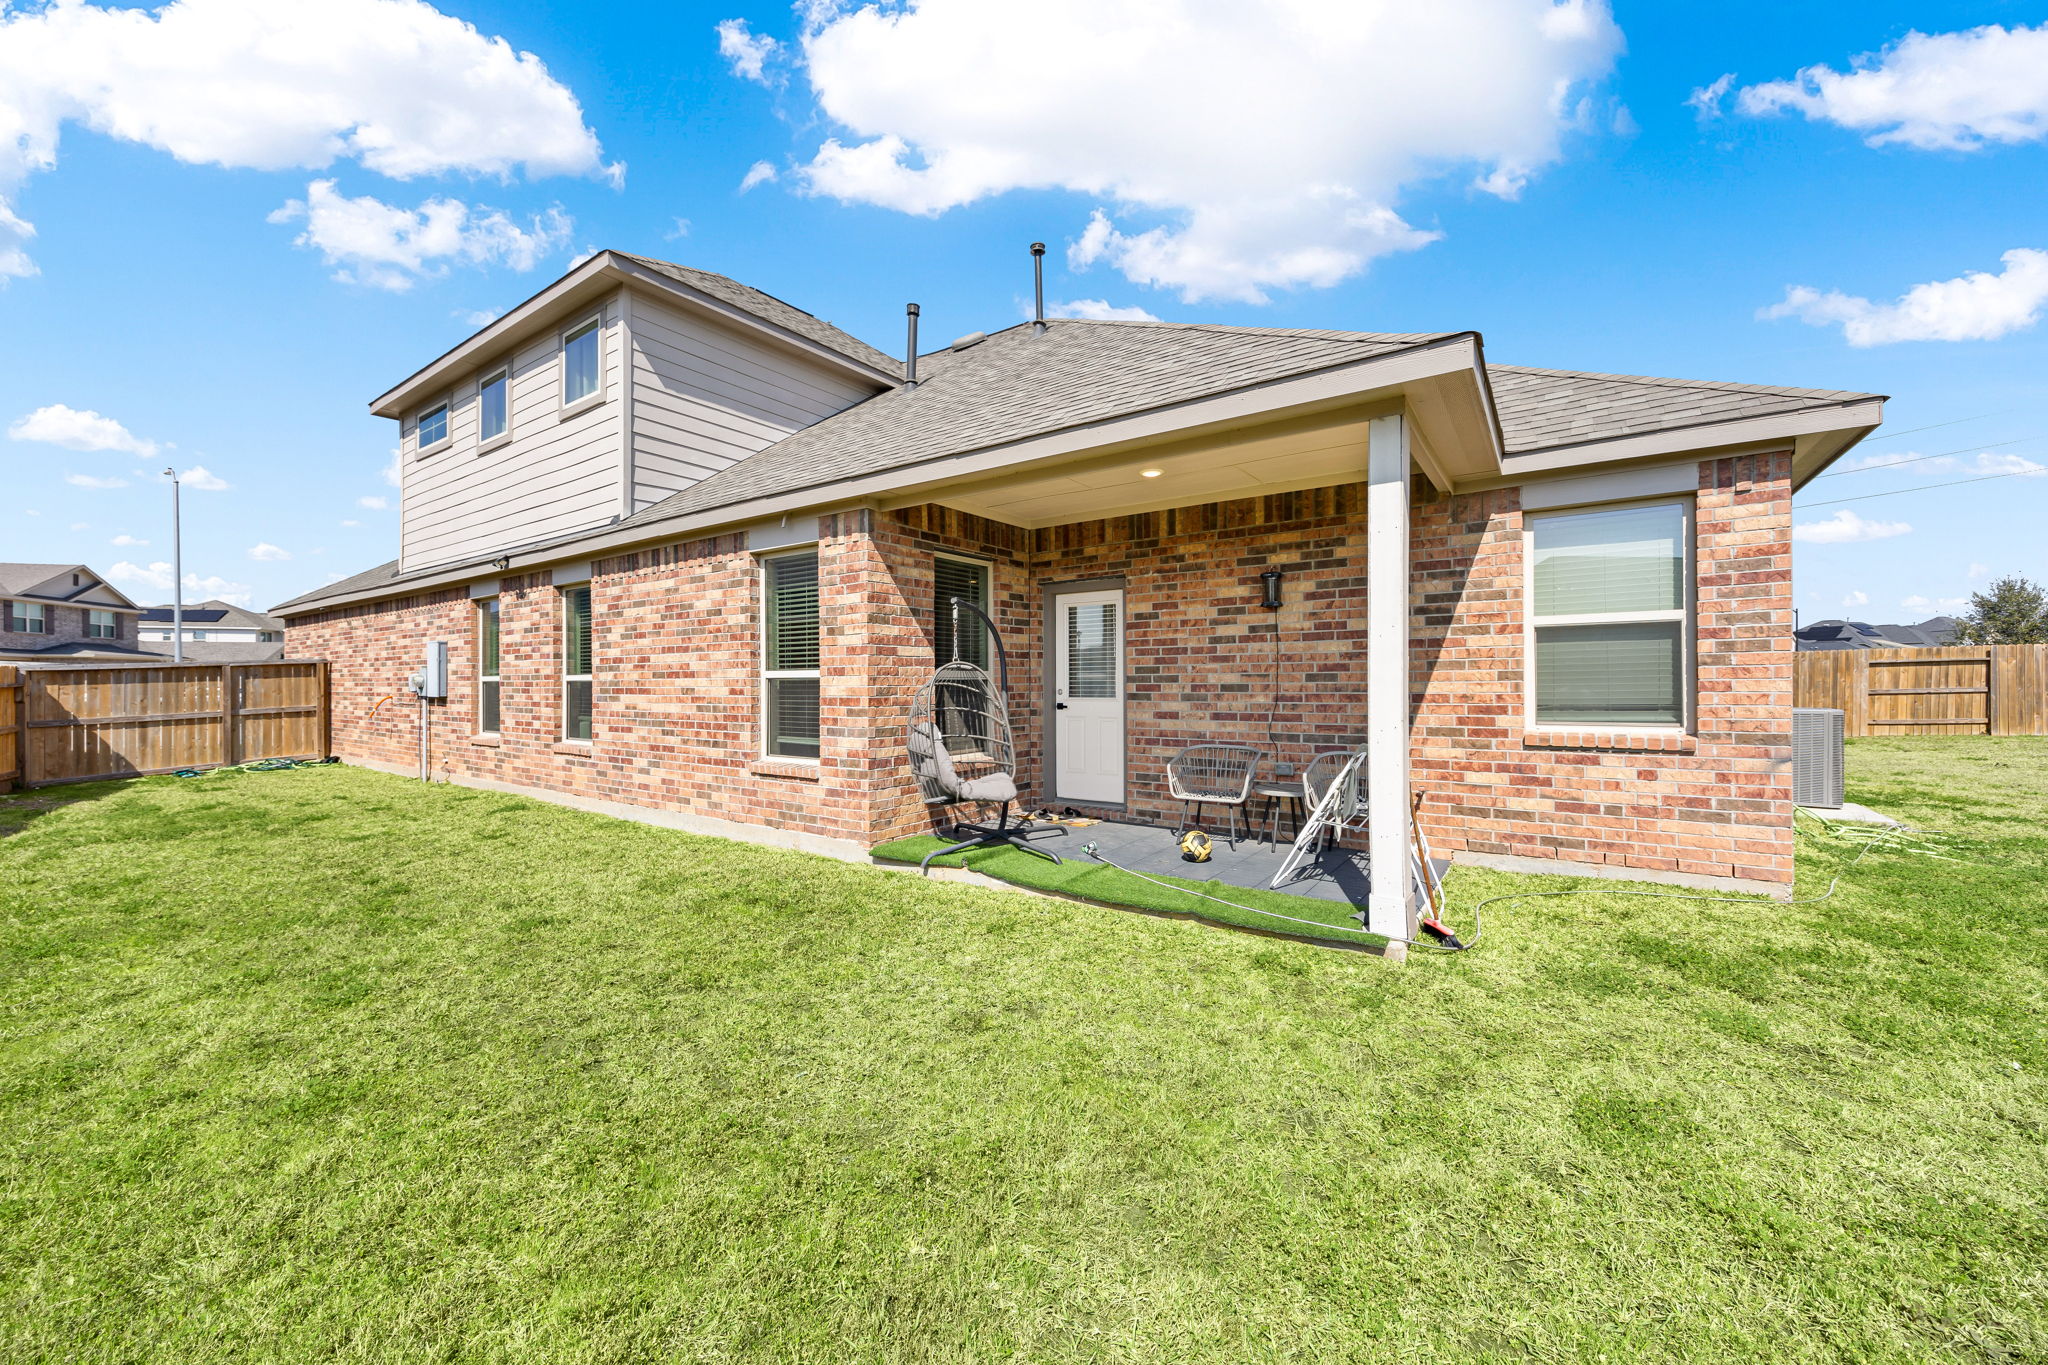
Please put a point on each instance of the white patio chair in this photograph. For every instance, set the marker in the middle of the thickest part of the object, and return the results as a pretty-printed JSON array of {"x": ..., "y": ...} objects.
[{"x": 1213, "y": 775}]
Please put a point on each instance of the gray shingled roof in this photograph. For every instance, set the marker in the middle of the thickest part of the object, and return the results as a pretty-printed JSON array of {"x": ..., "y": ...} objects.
[
  {"x": 21, "y": 577},
  {"x": 216, "y": 612},
  {"x": 379, "y": 576},
  {"x": 217, "y": 651},
  {"x": 768, "y": 308},
  {"x": 1015, "y": 385},
  {"x": 1540, "y": 409}
]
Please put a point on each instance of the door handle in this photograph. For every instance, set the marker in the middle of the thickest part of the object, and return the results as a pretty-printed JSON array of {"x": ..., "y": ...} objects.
[{"x": 1059, "y": 706}]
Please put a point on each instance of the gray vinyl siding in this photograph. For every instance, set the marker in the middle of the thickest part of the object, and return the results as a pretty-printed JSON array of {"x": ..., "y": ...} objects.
[
  {"x": 554, "y": 475},
  {"x": 706, "y": 395}
]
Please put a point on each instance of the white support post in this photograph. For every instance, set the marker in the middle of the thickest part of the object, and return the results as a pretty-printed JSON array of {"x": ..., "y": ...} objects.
[{"x": 1388, "y": 566}]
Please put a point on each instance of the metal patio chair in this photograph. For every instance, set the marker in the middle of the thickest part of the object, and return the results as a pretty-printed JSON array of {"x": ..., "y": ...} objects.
[
  {"x": 1338, "y": 802},
  {"x": 1213, "y": 775}
]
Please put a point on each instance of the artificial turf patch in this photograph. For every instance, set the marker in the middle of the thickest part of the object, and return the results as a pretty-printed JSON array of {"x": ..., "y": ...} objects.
[{"x": 1082, "y": 876}]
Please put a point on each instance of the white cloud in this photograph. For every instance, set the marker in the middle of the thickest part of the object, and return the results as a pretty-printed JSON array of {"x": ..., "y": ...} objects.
[
  {"x": 760, "y": 173},
  {"x": 1980, "y": 571},
  {"x": 1249, "y": 147},
  {"x": 1898, "y": 457},
  {"x": 81, "y": 526},
  {"x": 1856, "y": 599},
  {"x": 1705, "y": 102},
  {"x": 77, "y": 429},
  {"x": 1939, "y": 605},
  {"x": 1935, "y": 91},
  {"x": 394, "y": 468},
  {"x": 677, "y": 232},
  {"x": 393, "y": 85},
  {"x": 1997, "y": 462},
  {"x": 125, "y": 540},
  {"x": 1978, "y": 306},
  {"x": 267, "y": 552},
  {"x": 387, "y": 247},
  {"x": 1845, "y": 527},
  {"x": 197, "y": 588},
  {"x": 375, "y": 504},
  {"x": 748, "y": 53},
  {"x": 478, "y": 317},
  {"x": 1094, "y": 310},
  {"x": 348, "y": 521},
  {"x": 200, "y": 477},
  {"x": 93, "y": 481}
]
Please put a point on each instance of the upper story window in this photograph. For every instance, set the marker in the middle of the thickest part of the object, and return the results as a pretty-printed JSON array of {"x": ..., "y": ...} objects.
[
  {"x": 102, "y": 625},
  {"x": 789, "y": 654},
  {"x": 493, "y": 414},
  {"x": 195, "y": 635},
  {"x": 966, "y": 579},
  {"x": 576, "y": 675},
  {"x": 270, "y": 637},
  {"x": 28, "y": 618},
  {"x": 580, "y": 380},
  {"x": 432, "y": 428},
  {"x": 1610, "y": 622},
  {"x": 487, "y": 666}
]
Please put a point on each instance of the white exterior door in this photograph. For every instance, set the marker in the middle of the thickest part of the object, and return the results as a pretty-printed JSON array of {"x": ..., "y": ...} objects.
[{"x": 1088, "y": 695}]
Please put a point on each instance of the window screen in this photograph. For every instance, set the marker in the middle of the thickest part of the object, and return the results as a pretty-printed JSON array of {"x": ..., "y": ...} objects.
[{"x": 579, "y": 364}]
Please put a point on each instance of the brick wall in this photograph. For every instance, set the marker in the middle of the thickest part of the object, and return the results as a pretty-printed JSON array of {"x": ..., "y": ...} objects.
[
  {"x": 67, "y": 624},
  {"x": 677, "y": 694},
  {"x": 1717, "y": 803}
]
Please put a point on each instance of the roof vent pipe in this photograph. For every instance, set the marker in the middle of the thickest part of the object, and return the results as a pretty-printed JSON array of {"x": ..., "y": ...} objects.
[
  {"x": 1038, "y": 287},
  {"x": 910, "y": 355}
]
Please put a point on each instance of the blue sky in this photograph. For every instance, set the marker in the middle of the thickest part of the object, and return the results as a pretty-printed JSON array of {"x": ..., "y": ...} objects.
[{"x": 231, "y": 287}]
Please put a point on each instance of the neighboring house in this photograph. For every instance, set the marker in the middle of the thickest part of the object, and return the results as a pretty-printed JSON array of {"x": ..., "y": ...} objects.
[
  {"x": 1934, "y": 631},
  {"x": 215, "y": 632},
  {"x": 63, "y": 613},
  {"x": 687, "y": 545}
]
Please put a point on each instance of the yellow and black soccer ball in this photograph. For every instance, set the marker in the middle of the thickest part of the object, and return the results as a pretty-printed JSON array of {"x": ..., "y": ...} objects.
[{"x": 1194, "y": 847}]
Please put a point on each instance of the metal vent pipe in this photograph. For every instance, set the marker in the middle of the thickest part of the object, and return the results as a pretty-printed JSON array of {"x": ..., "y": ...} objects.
[
  {"x": 910, "y": 354},
  {"x": 1038, "y": 287}
]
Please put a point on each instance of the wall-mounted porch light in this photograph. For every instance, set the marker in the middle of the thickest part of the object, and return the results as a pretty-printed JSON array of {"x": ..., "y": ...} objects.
[{"x": 1269, "y": 584}]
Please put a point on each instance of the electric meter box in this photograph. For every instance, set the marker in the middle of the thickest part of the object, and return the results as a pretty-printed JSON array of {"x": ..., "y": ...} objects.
[{"x": 434, "y": 677}]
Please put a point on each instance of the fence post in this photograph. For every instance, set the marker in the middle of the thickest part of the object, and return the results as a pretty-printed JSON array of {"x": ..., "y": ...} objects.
[
  {"x": 326, "y": 715},
  {"x": 229, "y": 723},
  {"x": 14, "y": 772}
]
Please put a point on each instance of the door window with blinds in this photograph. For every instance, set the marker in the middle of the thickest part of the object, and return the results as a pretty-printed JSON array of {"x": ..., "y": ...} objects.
[
  {"x": 576, "y": 670},
  {"x": 789, "y": 655},
  {"x": 1610, "y": 628},
  {"x": 1092, "y": 670},
  {"x": 487, "y": 666},
  {"x": 968, "y": 641}
]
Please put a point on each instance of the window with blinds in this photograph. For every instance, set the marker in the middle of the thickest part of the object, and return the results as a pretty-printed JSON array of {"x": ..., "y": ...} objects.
[
  {"x": 576, "y": 672},
  {"x": 789, "y": 655},
  {"x": 487, "y": 719},
  {"x": 1091, "y": 650},
  {"x": 1610, "y": 625},
  {"x": 968, "y": 641}
]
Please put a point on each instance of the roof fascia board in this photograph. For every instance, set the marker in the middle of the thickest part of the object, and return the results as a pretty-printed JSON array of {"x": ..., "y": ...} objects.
[
  {"x": 1339, "y": 386},
  {"x": 1782, "y": 426},
  {"x": 607, "y": 269}
]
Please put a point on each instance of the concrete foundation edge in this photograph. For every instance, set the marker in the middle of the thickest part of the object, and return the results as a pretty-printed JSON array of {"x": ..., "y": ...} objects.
[{"x": 1558, "y": 867}]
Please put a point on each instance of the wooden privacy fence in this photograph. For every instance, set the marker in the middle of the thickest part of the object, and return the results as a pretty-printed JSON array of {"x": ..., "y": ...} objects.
[
  {"x": 1952, "y": 690},
  {"x": 127, "y": 720}
]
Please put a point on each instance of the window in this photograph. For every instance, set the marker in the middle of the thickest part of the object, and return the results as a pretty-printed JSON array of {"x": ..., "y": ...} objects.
[
  {"x": 270, "y": 637},
  {"x": 1610, "y": 635},
  {"x": 579, "y": 364},
  {"x": 432, "y": 428},
  {"x": 967, "y": 580},
  {"x": 101, "y": 625},
  {"x": 27, "y": 618},
  {"x": 487, "y": 665},
  {"x": 195, "y": 635},
  {"x": 491, "y": 412},
  {"x": 576, "y": 662},
  {"x": 789, "y": 655}
]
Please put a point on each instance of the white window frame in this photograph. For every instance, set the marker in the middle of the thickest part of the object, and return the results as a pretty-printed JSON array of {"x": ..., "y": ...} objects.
[
  {"x": 588, "y": 322},
  {"x": 484, "y": 442},
  {"x": 93, "y": 624},
  {"x": 763, "y": 715},
  {"x": 17, "y": 612},
  {"x": 498, "y": 678},
  {"x": 447, "y": 405},
  {"x": 562, "y": 595},
  {"x": 1687, "y": 617}
]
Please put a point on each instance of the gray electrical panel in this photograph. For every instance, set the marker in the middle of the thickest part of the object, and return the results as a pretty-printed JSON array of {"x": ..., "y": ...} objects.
[
  {"x": 1817, "y": 757},
  {"x": 433, "y": 679}
]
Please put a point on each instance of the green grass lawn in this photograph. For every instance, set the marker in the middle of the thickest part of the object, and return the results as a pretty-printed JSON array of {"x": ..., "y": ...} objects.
[{"x": 326, "y": 1065}]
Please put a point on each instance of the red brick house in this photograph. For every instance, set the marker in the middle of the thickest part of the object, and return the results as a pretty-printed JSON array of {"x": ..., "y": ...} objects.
[{"x": 686, "y": 542}]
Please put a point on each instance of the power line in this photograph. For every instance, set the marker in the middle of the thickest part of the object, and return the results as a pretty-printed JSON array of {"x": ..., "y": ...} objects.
[
  {"x": 1914, "y": 431},
  {"x": 1938, "y": 455},
  {"x": 1984, "y": 478}
]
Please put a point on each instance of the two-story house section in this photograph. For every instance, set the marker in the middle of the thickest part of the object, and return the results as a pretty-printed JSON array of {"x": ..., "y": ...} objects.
[
  {"x": 63, "y": 613},
  {"x": 622, "y": 384}
]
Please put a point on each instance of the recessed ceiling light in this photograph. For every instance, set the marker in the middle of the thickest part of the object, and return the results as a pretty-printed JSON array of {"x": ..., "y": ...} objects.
[{"x": 1151, "y": 473}]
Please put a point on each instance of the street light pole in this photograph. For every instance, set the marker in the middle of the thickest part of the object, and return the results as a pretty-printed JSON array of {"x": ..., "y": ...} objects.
[{"x": 177, "y": 574}]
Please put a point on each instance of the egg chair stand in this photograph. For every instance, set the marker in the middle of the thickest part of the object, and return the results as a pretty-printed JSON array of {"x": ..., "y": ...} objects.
[{"x": 961, "y": 749}]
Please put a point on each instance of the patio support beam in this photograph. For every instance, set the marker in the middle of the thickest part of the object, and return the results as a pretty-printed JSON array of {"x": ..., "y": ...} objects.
[{"x": 1390, "y": 909}]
